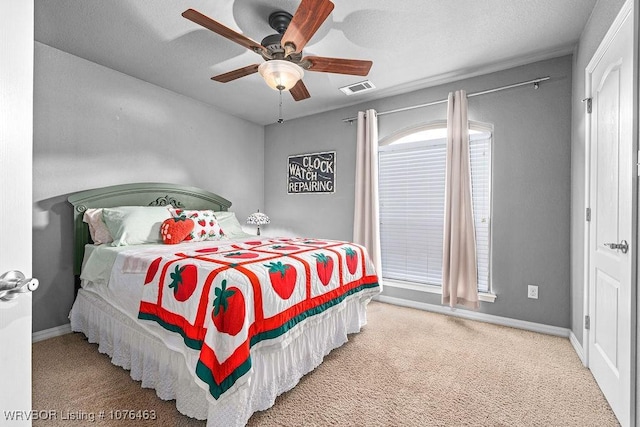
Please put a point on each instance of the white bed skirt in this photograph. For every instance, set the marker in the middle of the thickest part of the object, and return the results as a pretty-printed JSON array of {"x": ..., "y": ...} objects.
[{"x": 275, "y": 370}]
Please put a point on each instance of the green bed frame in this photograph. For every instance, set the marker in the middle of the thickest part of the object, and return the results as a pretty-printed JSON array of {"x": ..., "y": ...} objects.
[{"x": 138, "y": 194}]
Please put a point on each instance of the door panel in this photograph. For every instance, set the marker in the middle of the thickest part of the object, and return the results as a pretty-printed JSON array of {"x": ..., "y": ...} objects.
[
  {"x": 607, "y": 106},
  {"x": 606, "y": 301}
]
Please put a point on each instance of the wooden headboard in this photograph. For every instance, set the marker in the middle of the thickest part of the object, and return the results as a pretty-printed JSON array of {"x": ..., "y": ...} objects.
[{"x": 139, "y": 194}]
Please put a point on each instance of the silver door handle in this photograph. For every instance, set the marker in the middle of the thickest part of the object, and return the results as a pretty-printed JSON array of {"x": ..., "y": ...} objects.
[
  {"x": 13, "y": 283},
  {"x": 623, "y": 246}
]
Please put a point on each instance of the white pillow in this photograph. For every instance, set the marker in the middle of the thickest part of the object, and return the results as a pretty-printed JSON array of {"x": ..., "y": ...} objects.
[
  {"x": 97, "y": 228},
  {"x": 134, "y": 225},
  {"x": 229, "y": 224}
]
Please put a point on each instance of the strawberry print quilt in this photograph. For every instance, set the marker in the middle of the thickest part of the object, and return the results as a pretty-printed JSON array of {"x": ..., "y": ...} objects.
[{"x": 225, "y": 299}]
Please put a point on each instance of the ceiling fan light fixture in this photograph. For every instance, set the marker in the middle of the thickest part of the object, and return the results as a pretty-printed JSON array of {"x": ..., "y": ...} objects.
[{"x": 280, "y": 74}]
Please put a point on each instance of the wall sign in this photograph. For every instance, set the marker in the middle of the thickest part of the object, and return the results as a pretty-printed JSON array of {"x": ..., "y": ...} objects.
[{"x": 312, "y": 173}]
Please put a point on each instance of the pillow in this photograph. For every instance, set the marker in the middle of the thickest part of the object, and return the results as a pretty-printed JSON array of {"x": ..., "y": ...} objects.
[
  {"x": 229, "y": 223},
  {"x": 97, "y": 228},
  {"x": 134, "y": 225},
  {"x": 174, "y": 230},
  {"x": 206, "y": 225}
]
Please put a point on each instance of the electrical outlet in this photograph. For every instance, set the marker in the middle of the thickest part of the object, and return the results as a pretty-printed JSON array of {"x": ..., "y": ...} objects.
[{"x": 532, "y": 291}]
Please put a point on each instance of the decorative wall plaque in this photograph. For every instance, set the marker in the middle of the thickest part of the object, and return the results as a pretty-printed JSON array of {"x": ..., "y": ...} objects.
[{"x": 312, "y": 173}]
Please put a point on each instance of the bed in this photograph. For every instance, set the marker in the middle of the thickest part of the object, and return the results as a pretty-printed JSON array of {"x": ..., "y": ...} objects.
[{"x": 223, "y": 324}]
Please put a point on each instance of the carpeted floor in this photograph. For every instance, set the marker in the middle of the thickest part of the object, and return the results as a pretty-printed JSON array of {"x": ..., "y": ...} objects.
[{"x": 406, "y": 368}]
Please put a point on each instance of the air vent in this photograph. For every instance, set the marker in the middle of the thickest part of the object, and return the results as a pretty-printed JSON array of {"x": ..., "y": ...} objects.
[{"x": 358, "y": 87}]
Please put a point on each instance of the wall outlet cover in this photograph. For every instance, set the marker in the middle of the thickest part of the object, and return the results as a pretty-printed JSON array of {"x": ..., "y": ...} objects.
[{"x": 532, "y": 291}]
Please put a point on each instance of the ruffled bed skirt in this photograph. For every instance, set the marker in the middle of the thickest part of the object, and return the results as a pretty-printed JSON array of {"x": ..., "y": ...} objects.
[{"x": 276, "y": 369}]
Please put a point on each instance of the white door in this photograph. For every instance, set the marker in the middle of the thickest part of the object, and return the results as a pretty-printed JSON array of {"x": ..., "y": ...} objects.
[
  {"x": 16, "y": 146},
  {"x": 611, "y": 232}
]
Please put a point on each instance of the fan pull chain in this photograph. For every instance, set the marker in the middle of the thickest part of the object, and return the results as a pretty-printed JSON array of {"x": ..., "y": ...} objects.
[{"x": 280, "y": 119}]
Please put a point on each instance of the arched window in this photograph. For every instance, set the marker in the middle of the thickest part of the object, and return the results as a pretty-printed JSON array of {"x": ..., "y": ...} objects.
[{"x": 411, "y": 185}]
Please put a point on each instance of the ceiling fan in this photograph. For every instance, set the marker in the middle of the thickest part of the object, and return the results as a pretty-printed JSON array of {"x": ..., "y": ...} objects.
[{"x": 282, "y": 52}]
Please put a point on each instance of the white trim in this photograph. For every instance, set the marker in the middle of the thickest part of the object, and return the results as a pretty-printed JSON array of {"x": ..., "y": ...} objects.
[
  {"x": 487, "y": 297},
  {"x": 625, "y": 10},
  {"x": 577, "y": 347},
  {"x": 587, "y": 224},
  {"x": 51, "y": 333},
  {"x": 482, "y": 317}
]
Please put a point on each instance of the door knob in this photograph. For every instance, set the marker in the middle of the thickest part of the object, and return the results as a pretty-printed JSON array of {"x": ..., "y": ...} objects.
[
  {"x": 623, "y": 246},
  {"x": 13, "y": 283}
]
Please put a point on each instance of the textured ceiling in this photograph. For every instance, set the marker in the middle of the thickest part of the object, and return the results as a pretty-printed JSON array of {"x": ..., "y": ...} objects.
[{"x": 412, "y": 43}]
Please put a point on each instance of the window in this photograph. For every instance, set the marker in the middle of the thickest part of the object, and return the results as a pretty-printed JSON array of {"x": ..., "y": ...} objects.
[{"x": 411, "y": 185}]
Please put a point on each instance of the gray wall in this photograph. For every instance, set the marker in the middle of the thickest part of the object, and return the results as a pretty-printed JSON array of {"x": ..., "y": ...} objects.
[
  {"x": 531, "y": 181},
  {"x": 604, "y": 12},
  {"x": 95, "y": 127}
]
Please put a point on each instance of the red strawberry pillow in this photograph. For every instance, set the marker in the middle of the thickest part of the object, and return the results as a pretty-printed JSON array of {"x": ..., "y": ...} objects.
[
  {"x": 206, "y": 225},
  {"x": 175, "y": 230}
]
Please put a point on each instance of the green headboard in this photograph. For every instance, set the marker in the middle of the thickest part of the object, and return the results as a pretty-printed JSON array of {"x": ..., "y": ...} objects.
[{"x": 139, "y": 194}]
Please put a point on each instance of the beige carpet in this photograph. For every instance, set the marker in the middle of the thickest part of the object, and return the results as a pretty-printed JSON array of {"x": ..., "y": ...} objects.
[{"x": 406, "y": 368}]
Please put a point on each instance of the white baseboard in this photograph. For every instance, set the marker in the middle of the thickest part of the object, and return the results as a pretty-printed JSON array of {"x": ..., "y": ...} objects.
[
  {"x": 577, "y": 347},
  {"x": 482, "y": 317},
  {"x": 50, "y": 333}
]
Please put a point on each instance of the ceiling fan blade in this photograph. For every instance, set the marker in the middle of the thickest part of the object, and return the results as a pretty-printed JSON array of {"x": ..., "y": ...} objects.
[
  {"x": 236, "y": 74},
  {"x": 353, "y": 67},
  {"x": 299, "y": 91},
  {"x": 218, "y": 28},
  {"x": 306, "y": 21}
]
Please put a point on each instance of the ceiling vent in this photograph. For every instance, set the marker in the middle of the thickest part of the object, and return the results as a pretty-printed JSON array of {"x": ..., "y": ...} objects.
[{"x": 358, "y": 87}]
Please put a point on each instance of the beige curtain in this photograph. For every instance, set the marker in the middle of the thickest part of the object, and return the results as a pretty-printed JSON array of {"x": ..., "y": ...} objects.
[
  {"x": 366, "y": 218},
  {"x": 459, "y": 268}
]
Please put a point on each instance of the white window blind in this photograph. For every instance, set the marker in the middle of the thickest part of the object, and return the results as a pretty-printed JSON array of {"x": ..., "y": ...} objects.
[{"x": 411, "y": 186}]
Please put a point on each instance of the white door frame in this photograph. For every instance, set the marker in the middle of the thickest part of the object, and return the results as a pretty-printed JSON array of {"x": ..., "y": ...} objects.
[{"x": 597, "y": 56}]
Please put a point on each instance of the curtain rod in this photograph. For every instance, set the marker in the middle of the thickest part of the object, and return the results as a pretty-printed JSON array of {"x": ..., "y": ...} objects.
[{"x": 442, "y": 101}]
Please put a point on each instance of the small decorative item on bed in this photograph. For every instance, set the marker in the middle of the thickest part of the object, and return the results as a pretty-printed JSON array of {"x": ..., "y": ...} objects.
[{"x": 219, "y": 320}]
